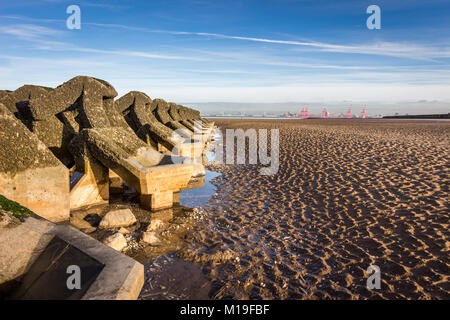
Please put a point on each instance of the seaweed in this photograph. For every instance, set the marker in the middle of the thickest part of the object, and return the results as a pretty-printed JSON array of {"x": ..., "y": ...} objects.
[{"x": 15, "y": 209}]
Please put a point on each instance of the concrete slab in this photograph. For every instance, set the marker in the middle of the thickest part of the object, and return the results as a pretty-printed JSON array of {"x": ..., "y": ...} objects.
[{"x": 106, "y": 273}]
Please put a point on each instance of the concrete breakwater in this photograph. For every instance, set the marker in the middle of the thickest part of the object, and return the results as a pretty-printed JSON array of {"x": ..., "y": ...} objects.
[{"x": 71, "y": 147}]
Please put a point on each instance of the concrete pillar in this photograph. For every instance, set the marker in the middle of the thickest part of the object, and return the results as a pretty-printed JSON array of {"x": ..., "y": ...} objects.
[
  {"x": 92, "y": 188},
  {"x": 157, "y": 200}
]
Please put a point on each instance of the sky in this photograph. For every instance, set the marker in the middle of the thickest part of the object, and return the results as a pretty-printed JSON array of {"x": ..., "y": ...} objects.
[{"x": 238, "y": 53}]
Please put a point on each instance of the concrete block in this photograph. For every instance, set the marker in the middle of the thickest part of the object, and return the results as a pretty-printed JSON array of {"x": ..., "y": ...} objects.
[
  {"x": 121, "y": 277},
  {"x": 29, "y": 173}
]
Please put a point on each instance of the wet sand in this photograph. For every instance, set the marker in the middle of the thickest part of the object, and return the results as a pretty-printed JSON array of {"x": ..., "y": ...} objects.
[{"x": 348, "y": 194}]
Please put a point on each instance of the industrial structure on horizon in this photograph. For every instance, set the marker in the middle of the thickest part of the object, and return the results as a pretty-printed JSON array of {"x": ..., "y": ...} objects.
[{"x": 304, "y": 114}]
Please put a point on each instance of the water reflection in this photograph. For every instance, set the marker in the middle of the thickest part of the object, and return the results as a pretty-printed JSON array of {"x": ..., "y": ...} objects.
[{"x": 198, "y": 195}]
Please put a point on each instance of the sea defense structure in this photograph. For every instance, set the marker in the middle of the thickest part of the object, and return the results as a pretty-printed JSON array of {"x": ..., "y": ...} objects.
[
  {"x": 202, "y": 126},
  {"x": 173, "y": 113},
  {"x": 137, "y": 109},
  {"x": 12, "y": 99},
  {"x": 193, "y": 115},
  {"x": 29, "y": 172},
  {"x": 4, "y": 93},
  {"x": 199, "y": 131},
  {"x": 16, "y": 101},
  {"x": 78, "y": 129},
  {"x": 105, "y": 141},
  {"x": 161, "y": 112},
  {"x": 60, "y": 147},
  {"x": 52, "y": 129},
  {"x": 190, "y": 117}
]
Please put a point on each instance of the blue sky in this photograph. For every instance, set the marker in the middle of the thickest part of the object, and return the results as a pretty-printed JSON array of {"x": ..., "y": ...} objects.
[{"x": 234, "y": 51}]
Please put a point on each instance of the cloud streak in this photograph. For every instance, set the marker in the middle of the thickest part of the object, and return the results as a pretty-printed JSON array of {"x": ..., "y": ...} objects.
[
  {"x": 391, "y": 49},
  {"x": 381, "y": 48},
  {"x": 28, "y": 31}
]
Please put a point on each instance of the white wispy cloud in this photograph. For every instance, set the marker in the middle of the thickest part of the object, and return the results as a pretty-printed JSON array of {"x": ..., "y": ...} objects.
[
  {"x": 293, "y": 77},
  {"x": 382, "y": 48},
  {"x": 22, "y": 18},
  {"x": 408, "y": 50},
  {"x": 128, "y": 53},
  {"x": 29, "y": 31},
  {"x": 40, "y": 35},
  {"x": 16, "y": 61}
]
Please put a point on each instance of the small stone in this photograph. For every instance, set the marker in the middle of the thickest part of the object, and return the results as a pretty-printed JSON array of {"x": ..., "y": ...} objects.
[
  {"x": 118, "y": 218},
  {"x": 151, "y": 238},
  {"x": 123, "y": 230},
  {"x": 155, "y": 224},
  {"x": 116, "y": 241}
]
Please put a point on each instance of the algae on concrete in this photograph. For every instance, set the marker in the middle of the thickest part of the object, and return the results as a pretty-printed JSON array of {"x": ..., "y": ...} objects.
[
  {"x": 21, "y": 150},
  {"x": 15, "y": 209}
]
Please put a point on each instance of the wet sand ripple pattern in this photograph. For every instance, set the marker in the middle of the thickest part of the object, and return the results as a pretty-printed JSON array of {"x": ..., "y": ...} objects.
[{"x": 349, "y": 194}]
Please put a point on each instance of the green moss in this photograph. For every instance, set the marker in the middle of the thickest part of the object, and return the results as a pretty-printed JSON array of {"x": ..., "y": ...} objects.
[{"x": 15, "y": 209}]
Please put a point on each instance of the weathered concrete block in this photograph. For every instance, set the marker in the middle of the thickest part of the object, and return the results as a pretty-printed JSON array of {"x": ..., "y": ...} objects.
[
  {"x": 138, "y": 108},
  {"x": 162, "y": 114},
  {"x": 67, "y": 94},
  {"x": 4, "y": 93},
  {"x": 82, "y": 111},
  {"x": 22, "y": 94},
  {"x": 174, "y": 114},
  {"x": 56, "y": 136},
  {"x": 19, "y": 248},
  {"x": 120, "y": 278},
  {"x": 29, "y": 173},
  {"x": 145, "y": 169}
]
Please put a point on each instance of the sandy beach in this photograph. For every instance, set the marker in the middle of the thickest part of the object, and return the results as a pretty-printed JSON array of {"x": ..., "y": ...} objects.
[{"x": 348, "y": 194}]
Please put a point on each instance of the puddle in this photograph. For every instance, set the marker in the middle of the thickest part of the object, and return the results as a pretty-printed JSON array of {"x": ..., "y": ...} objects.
[
  {"x": 169, "y": 277},
  {"x": 198, "y": 197}
]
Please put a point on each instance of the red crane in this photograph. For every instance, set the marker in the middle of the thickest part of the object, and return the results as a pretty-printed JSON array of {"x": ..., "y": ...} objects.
[
  {"x": 363, "y": 113},
  {"x": 349, "y": 113},
  {"x": 304, "y": 113}
]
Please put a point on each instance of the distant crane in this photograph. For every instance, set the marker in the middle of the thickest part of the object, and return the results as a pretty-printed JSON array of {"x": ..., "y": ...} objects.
[
  {"x": 363, "y": 113},
  {"x": 304, "y": 113},
  {"x": 349, "y": 113}
]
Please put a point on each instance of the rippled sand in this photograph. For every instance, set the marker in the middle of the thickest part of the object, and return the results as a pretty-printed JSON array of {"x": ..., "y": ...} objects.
[{"x": 348, "y": 194}]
